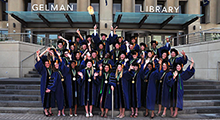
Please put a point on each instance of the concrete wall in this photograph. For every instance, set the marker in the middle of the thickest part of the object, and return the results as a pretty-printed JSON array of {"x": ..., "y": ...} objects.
[
  {"x": 12, "y": 53},
  {"x": 206, "y": 56}
]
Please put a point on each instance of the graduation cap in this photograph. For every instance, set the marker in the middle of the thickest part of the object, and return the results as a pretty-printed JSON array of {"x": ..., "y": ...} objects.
[
  {"x": 88, "y": 61},
  {"x": 73, "y": 61},
  {"x": 133, "y": 52},
  {"x": 109, "y": 65},
  {"x": 53, "y": 50},
  {"x": 174, "y": 50},
  {"x": 136, "y": 64},
  {"x": 154, "y": 41},
  {"x": 103, "y": 34},
  {"x": 151, "y": 63},
  {"x": 101, "y": 43},
  {"x": 165, "y": 51},
  {"x": 66, "y": 50},
  {"x": 166, "y": 62},
  {"x": 116, "y": 43},
  {"x": 150, "y": 51},
  {"x": 94, "y": 52},
  {"x": 44, "y": 59},
  {"x": 120, "y": 64},
  {"x": 121, "y": 37},
  {"x": 71, "y": 43},
  {"x": 133, "y": 37},
  {"x": 124, "y": 52},
  {"x": 84, "y": 43},
  {"x": 60, "y": 42},
  {"x": 143, "y": 44},
  {"x": 88, "y": 36},
  {"x": 178, "y": 63},
  {"x": 77, "y": 37},
  {"x": 77, "y": 52}
]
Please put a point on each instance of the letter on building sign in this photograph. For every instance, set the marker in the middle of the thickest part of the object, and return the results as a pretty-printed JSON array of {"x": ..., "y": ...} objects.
[
  {"x": 54, "y": 8},
  {"x": 157, "y": 8},
  {"x": 35, "y": 7},
  {"x": 164, "y": 10},
  {"x": 176, "y": 9}
]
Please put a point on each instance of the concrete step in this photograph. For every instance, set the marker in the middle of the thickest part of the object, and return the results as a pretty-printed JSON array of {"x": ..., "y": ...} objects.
[
  {"x": 20, "y": 86},
  {"x": 8, "y": 97},
  {"x": 201, "y": 82},
  {"x": 197, "y": 103},
  {"x": 19, "y": 92},
  {"x": 207, "y": 109},
  {"x": 32, "y": 75},
  {"x": 201, "y": 87},
  {"x": 201, "y": 91},
  {"x": 80, "y": 111},
  {"x": 20, "y": 103},
  {"x": 29, "y": 81},
  {"x": 202, "y": 97},
  {"x": 33, "y": 72}
]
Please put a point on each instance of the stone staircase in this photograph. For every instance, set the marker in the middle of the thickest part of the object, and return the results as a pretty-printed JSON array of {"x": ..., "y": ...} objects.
[
  {"x": 32, "y": 74},
  {"x": 23, "y": 96}
]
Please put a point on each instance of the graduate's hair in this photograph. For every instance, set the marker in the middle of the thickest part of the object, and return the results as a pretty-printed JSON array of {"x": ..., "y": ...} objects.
[
  {"x": 175, "y": 65},
  {"x": 116, "y": 72},
  {"x": 168, "y": 65},
  {"x": 54, "y": 68},
  {"x": 153, "y": 66},
  {"x": 110, "y": 67}
]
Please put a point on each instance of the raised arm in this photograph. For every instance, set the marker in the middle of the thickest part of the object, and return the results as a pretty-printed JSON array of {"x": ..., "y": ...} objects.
[
  {"x": 48, "y": 49},
  {"x": 67, "y": 42},
  {"x": 78, "y": 32}
]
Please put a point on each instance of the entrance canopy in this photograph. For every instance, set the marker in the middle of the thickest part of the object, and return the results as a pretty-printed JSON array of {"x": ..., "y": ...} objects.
[
  {"x": 154, "y": 20},
  {"x": 55, "y": 19}
]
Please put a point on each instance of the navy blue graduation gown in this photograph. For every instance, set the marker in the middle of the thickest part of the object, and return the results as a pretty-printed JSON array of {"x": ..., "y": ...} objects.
[
  {"x": 88, "y": 90},
  {"x": 135, "y": 90},
  {"x": 57, "y": 87},
  {"x": 159, "y": 50},
  {"x": 149, "y": 89},
  {"x": 71, "y": 85},
  {"x": 47, "y": 99},
  {"x": 121, "y": 91},
  {"x": 177, "y": 60},
  {"x": 163, "y": 89},
  {"x": 126, "y": 65},
  {"x": 115, "y": 55},
  {"x": 136, "y": 47},
  {"x": 107, "y": 61},
  {"x": 112, "y": 39},
  {"x": 95, "y": 64},
  {"x": 97, "y": 41},
  {"x": 104, "y": 91},
  {"x": 177, "y": 90}
]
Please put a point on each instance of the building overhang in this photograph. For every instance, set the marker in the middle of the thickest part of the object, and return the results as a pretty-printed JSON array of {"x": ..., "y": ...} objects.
[
  {"x": 55, "y": 19},
  {"x": 166, "y": 21}
]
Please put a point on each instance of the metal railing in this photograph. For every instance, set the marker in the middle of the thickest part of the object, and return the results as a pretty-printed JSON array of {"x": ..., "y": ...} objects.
[{"x": 196, "y": 37}]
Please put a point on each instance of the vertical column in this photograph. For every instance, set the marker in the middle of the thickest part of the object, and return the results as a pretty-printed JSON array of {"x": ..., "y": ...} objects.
[
  {"x": 218, "y": 11},
  {"x": 82, "y": 5},
  {"x": 193, "y": 7},
  {"x": 128, "y": 6},
  {"x": 170, "y": 4},
  {"x": 1, "y": 11},
  {"x": 17, "y": 5},
  {"x": 60, "y": 3},
  {"x": 150, "y": 3},
  {"x": 105, "y": 16},
  {"x": 38, "y": 2}
]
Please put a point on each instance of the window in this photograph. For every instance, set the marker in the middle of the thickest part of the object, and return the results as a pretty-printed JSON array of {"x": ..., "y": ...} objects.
[
  {"x": 53, "y": 39},
  {"x": 205, "y": 10},
  {"x": 4, "y": 8},
  {"x": 74, "y": 4},
  {"x": 116, "y": 6},
  {"x": 49, "y": 4},
  {"x": 139, "y": 5},
  {"x": 95, "y": 5},
  {"x": 182, "y": 7},
  {"x": 41, "y": 39},
  {"x": 27, "y": 5},
  {"x": 3, "y": 35}
]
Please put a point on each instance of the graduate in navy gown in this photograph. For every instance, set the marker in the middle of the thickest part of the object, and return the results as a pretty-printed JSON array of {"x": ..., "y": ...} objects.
[
  {"x": 116, "y": 52},
  {"x": 133, "y": 57},
  {"x": 107, "y": 59},
  {"x": 88, "y": 88},
  {"x": 165, "y": 54},
  {"x": 149, "y": 89},
  {"x": 119, "y": 80},
  {"x": 60, "y": 45},
  {"x": 78, "y": 43},
  {"x": 104, "y": 91},
  {"x": 78, "y": 59},
  {"x": 134, "y": 42},
  {"x": 178, "y": 89},
  {"x": 45, "y": 70},
  {"x": 165, "y": 83},
  {"x": 72, "y": 50},
  {"x": 124, "y": 60},
  {"x": 135, "y": 89},
  {"x": 57, "y": 87},
  {"x": 174, "y": 59},
  {"x": 143, "y": 48},
  {"x": 157, "y": 51},
  {"x": 71, "y": 76},
  {"x": 101, "y": 51}
]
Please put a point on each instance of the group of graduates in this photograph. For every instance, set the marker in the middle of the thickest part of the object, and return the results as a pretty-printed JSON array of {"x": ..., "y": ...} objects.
[{"x": 85, "y": 73}]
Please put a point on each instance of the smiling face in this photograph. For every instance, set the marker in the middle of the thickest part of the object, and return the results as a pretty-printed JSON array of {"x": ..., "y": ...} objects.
[
  {"x": 101, "y": 47},
  {"x": 47, "y": 64},
  {"x": 134, "y": 56},
  {"x": 89, "y": 64},
  {"x": 60, "y": 45},
  {"x": 51, "y": 51},
  {"x": 117, "y": 46},
  {"x": 103, "y": 37},
  {"x": 73, "y": 64},
  {"x": 77, "y": 39},
  {"x": 178, "y": 68},
  {"x": 122, "y": 56},
  {"x": 119, "y": 40},
  {"x": 135, "y": 68},
  {"x": 72, "y": 47},
  {"x": 149, "y": 54},
  {"x": 150, "y": 67},
  {"x": 66, "y": 54},
  {"x": 119, "y": 68},
  {"x": 56, "y": 65},
  {"x": 106, "y": 68},
  {"x": 173, "y": 54},
  {"x": 107, "y": 55},
  {"x": 164, "y": 55},
  {"x": 77, "y": 56},
  {"x": 84, "y": 47},
  {"x": 133, "y": 40},
  {"x": 94, "y": 55},
  {"x": 142, "y": 47},
  {"x": 164, "y": 67},
  {"x": 154, "y": 45}
]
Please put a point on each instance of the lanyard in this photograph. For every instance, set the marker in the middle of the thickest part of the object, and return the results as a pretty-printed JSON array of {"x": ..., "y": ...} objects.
[
  {"x": 74, "y": 72},
  {"x": 106, "y": 77},
  {"x": 180, "y": 82},
  {"x": 117, "y": 53},
  {"x": 118, "y": 76},
  {"x": 49, "y": 72},
  {"x": 89, "y": 73}
]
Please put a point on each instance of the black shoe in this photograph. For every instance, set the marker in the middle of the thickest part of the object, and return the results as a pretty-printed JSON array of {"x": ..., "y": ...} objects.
[
  {"x": 146, "y": 115},
  {"x": 152, "y": 117},
  {"x": 45, "y": 114}
]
